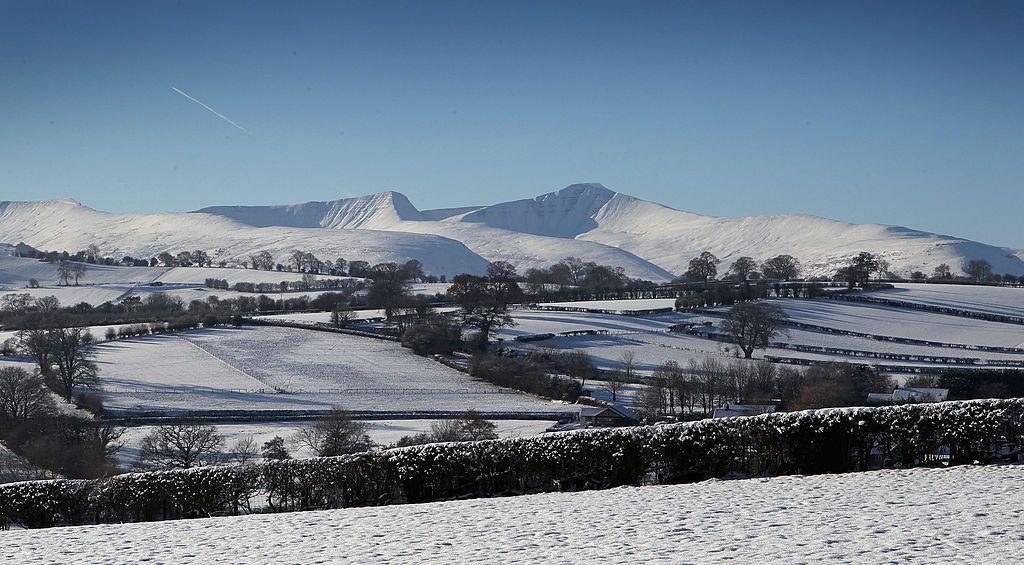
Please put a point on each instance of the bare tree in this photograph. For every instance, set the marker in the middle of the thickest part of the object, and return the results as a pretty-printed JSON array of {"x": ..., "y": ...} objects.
[
  {"x": 703, "y": 267},
  {"x": 575, "y": 269},
  {"x": 628, "y": 361},
  {"x": 614, "y": 382},
  {"x": 671, "y": 376},
  {"x": 708, "y": 374},
  {"x": 180, "y": 446},
  {"x": 781, "y": 268},
  {"x": 942, "y": 272},
  {"x": 753, "y": 325},
  {"x": 389, "y": 288},
  {"x": 578, "y": 365},
  {"x": 979, "y": 270},
  {"x": 335, "y": 434},
  {"x": 742, "y": 268},
  {"x": 262, "y": 260},
  {"x": 78, "y": 271},
  {"x": 275, "y": 449},
  {"x": 46, "y": 304},
  {"x": 23, "y": 396},
  {"x": 36, "y": 344},
  {"x": 201, "y": 258},
  {"x": 18, "y": 303},
  {"x": 244, "y": 450},
  {"x": 72, "y": 359},
  {"x": 342, "y": 318},
  {"x": 64, "y": 273},
  {"x": 482, "y": 307},
  {"x": 651, "y": 399}
]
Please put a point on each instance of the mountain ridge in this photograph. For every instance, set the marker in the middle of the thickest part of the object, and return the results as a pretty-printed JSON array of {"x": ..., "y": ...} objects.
[
  {"x": 667, "y": 238},
  {"x": 585, "y": 220}
]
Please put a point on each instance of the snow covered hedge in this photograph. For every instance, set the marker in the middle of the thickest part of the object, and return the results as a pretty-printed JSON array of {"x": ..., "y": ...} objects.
[{"x": 809, "y": 442}]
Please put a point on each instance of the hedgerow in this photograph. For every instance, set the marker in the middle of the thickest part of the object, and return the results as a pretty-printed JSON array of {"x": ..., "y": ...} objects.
[{"x": 819, "y": 441}]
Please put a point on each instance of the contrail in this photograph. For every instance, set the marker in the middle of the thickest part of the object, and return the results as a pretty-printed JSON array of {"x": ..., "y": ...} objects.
[{"x": 215, "y": 112}]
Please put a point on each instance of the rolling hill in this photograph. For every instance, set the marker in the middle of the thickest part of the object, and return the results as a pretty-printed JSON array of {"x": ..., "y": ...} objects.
[
  {"x": 69, "y": 225},
  {"x": 595, "y": 223},
  {"x": 588, "y": 221}
]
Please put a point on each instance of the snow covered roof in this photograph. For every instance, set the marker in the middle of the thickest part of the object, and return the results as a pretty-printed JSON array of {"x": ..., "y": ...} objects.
[{"x": 593, "y": 411}]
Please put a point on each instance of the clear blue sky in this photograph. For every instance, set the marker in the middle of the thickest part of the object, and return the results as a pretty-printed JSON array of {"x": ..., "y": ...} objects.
[{"x": 891, "y": 112}]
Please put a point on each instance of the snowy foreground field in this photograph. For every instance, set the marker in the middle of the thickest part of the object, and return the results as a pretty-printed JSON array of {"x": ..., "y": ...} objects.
[{"x": 920, "y": 515}]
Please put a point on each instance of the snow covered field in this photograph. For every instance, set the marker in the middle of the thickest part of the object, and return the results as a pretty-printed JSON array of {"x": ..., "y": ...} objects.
[
  {"x": 243, "y": 368},
  {"x": 188, "y": 293},
  {"x": 198, "y": 275},
  {"x": 429, "y": 288},
  {"x": 988, "y": 299},
  {"x": 71, "y": 295},
  {"x": 544, "y": 321},
  {"x": 902, "y": 322},
  {"x": 17, "y": 271},
  {"x": 647, "y": 338},
  {"x": 917, "y": 515}
]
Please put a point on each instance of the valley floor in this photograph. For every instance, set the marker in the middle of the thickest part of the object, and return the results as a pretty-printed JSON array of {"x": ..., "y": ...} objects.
[{"x": 919, "y": 515}]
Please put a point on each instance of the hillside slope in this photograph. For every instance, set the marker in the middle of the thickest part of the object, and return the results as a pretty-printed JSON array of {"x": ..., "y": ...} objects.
[
  {"x": 668, "y": 237},
  {"x": 392, "y": 211},
  {"x": 647, "y": 239},
  {"x": 68, "y": 225}
]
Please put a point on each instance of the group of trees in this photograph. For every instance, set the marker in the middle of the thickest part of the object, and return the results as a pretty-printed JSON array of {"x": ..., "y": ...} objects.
[
  {"x": 860, "y": 269},
  {"x": 535, "y": 374},
  {"x": 68, "y": 270},
  {"x": 711, "y": 382},
  {"x": 189, "y": 445},
  {"x": 484, "y": 300},
  {"x": 469, "y": 426},
  {"x": 63, "y": 354},
  {"x": 24, "y": 311},
  {"x": 704, "y": 268},
  {"x": 309, "y": 282},
  {"x": 32, "y": 426},
  {"x": 575, "y": 272}
]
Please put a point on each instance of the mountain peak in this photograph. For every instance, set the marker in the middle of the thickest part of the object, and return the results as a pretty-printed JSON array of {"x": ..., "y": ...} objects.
[{"x": 582, "y": 188}]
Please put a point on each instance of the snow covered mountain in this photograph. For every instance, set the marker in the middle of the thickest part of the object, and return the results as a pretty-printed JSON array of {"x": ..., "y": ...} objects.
[
  {"x": 588, "y": 221},
  {"x": 69, "y": 225},
  {"x": 647, "y": 239}
]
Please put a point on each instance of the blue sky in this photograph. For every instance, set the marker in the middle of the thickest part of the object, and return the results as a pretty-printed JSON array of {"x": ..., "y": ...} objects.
[{"x": 890, "y": 112}]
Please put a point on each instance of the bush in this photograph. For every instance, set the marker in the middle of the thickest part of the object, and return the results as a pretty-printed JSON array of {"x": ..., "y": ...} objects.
[
  {"x": 111, "y": 334},
  {"x": 528, "y": 374},
  {"x": 432, "y": 338},
  {"x": 821, "y": 441},
  {"x": 91, "y": 402}
]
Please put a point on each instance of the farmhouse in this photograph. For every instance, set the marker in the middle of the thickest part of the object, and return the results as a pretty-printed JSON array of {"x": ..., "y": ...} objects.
[{"x": 607, "y": 416}]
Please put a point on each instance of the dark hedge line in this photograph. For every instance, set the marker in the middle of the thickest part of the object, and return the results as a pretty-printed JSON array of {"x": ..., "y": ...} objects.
[{"x": 821, "y": 441}]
